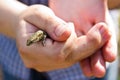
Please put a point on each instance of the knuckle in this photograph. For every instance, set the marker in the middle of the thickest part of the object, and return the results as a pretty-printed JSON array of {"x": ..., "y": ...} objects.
[
  {"x": 95, "y": 40},
  {"x": 41, "y": 9}
]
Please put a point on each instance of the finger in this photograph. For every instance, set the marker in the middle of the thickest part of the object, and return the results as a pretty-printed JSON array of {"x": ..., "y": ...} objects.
[
  {"x": 68, "y": 46},
  {"x": 44, "y": 18},
  {"x": 85, "y": 46},
  {"x": 86, "y": 67},
  {"x": 110, "y": 50},
  {"x": 98, "y": 64}
]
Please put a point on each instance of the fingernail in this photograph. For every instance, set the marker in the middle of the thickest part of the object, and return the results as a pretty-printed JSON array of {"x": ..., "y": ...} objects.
[
  {"x": 105, "y": 33},
  {"x": 60, "y": 30}
]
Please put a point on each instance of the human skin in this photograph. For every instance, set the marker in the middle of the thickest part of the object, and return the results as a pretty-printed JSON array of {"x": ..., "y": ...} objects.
[
  {"x": 85, "y": 14},
  {"x": 58, "y": 54},
  {"x": 24, "y": 22}
]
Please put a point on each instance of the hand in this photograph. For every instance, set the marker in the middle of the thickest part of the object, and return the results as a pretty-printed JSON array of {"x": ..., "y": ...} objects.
[
  {"x": 36, "y": 56},
  {"x": 85, "y": 14},
  {"x": 60, "y": 53}
]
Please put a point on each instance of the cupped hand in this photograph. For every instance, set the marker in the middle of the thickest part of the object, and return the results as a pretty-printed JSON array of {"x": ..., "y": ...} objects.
[
  {"x": 58, "y": 51},
  {"x": 85, "y": 14},
  {"x": 37, "y": 56}
]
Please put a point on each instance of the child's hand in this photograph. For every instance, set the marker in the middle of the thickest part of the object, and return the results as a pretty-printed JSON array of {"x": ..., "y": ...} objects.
[{"x": 85, "y": 14}]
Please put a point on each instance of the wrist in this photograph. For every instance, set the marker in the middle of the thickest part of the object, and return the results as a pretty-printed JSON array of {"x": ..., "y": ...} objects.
[
  {"x": 19, "y": 8},
  {"x": 9, "y": 11},
  {"x": 15, "y": 13}
]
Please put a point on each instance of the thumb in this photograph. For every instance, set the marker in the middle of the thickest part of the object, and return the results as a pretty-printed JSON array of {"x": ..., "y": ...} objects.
[{"x": 43, "y": 17}]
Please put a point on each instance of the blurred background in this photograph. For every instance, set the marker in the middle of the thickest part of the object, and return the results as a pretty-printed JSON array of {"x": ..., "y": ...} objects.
[{"x": 114, "y": 7}]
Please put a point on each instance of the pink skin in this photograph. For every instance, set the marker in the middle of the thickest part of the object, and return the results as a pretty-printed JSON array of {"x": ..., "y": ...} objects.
[
  {"x": 85, "y": 14},
  {"x": 60, "y": 54}
]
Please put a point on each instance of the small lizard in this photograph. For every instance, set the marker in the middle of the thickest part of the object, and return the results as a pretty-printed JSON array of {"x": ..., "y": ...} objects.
[{"x": 36, "y": 37}]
